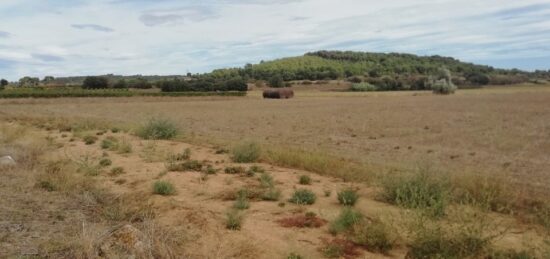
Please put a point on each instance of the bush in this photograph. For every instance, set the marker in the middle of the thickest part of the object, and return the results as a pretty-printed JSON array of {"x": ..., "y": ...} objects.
[
  {"x": 89, "y": 140},
  {"x": 363, "y": 87},
  {"x": 303, "y": 197},
  {"x": 124, "y": 147},
  {"x": 271, "y": 194},
  {"x": 246, "y": 152},
  {"x": 305, "y": 180},
  {"x": 191, "y": 165},
  {"x": 294, "y": 256},
  {"x": 105, "y": 162},
  {"x": 347, "y": 219},
  {"x": 348, "y": 197},
  {"x": 158, "y": 129},
  {"x": 95, "y": 82},
  {"x": 109, "y": 143},
  {"x": 418, "y": 190},
  {"x": 163, "y": 188},
  {"x": 266, "y": 180},
  {"x": 442, "y": 83},
  {"x": 234, "y": 220},
  {"x": 374, "y": 236},
  {"x": 276, "y": 81},
  {"x": 241, "y": 203},
  {"x": 235, "y": 170}
]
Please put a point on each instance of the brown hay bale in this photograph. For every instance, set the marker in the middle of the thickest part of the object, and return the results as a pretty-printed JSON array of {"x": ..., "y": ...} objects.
[{"x": 278, "y": 93}]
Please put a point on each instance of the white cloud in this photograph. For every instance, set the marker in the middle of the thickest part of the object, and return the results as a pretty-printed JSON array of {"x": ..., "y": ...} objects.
[{"x": 168, "y": 36}]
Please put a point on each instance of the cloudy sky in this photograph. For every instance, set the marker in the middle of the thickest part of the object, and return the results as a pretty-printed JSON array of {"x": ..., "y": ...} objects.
[{"x": 83, "y": 37}]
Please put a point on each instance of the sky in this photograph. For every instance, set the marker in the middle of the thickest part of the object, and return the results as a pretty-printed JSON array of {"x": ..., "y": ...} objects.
[{"x": 165, "y": 37}]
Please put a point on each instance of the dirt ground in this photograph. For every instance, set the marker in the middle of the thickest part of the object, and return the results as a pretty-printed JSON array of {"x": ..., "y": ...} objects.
[
  {"x": 499, "y": 130},
  {"x": 32, "y": 217}
]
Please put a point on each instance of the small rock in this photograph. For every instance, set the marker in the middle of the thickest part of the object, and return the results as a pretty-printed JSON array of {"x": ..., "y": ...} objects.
[{"x": 7, "y": 161}]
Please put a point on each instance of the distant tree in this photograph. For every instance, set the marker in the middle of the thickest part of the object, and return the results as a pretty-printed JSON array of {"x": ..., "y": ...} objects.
[
  {"x": 48, "y": 79},
  {"x": 3, "y": 83},
  {"x": 478, "y": 78},
  {"x": 29, "y": 81},
  {"x": 442, "y": 82},
  {"x": 236, "y": 84},
  {"x": 120, "y": 84},
  {"x": 139, "y": 83},
  {"x": 95, "y": 82},
  {"x": 276, "y": 81}
]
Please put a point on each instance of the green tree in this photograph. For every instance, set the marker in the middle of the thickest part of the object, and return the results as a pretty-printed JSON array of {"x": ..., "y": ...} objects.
[
  {"x": 48, "y": 80},
  {"x": 276, "y": 81},
  {"x": 29, "y": 81},
  {"x": 120, "y": 84},
  {"x": 3, "y": 83},
  {"x": 95, "y": 82}
]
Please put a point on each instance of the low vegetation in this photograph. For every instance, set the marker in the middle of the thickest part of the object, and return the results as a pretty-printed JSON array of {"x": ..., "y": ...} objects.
[
  {"x": 305, "y": 180},
  {"x": 234, "y": 220},
  {"x": 246, "y": 152},
  {"x": 348, "y": 197},
  {"x": 303, "y": 197},
  {"x": 163, "y": 188},
  {"x": 158, "y": 129}
]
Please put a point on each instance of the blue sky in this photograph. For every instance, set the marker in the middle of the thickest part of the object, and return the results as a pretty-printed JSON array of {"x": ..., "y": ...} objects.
[{"x": 83, "y": 37}]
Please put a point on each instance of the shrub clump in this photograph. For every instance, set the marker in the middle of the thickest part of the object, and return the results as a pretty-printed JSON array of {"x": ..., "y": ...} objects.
[
  {"x": 158, "y": 129},
  {"x": 303, "y": 197},
  {"x": 117, "y": 171},
  {"x": 246, "y": 152},
  {"x": 163, "y": 188},
  {"x": 348, "y": 197},
  {"x": 89, "y": 139},
  {"x": 105, "y": 162},
  {"x": 241, "y": 203},
  {"x": 235, "y": 170},
  {"x": 419, "y": 190},
  {"x": 305, "y": 180},
  {"x": 346, "y": 220},
  {"x": 442, "y": 83},
  {"x": 234, "y": 220}
]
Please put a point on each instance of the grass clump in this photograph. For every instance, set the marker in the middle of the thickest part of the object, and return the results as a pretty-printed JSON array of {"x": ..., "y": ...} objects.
[
  {"x": 124, "y": 147},
  {"x": 294, "y": 256},
  {"x": 234, "y": 220},
  {"x": 241, "y": 203},
  {"x": 89, "y": 139},
  {"x": 191, "y": 165},
  {"x": 305, "y": 180},
  {"x": 266, "y": 180},
  {"x": 253, "y": 170},
  {"x": 375, "y": 236},
  {"x": 163, "y": 188},
  {"x": 419, "y": 190},
  {"x": 271, "y": 194},
  {"x": 246, "y": 152},
  {"x": 346, "y": 220},
  {"x": 348, "y": 197},
  {"x": 362, "y": 87},
  {"x": 303, "y": 197},
  {"x": 109, "y": 143},
  {"x": 104, "y": 162},
  {"x": 158, "y": 129}
]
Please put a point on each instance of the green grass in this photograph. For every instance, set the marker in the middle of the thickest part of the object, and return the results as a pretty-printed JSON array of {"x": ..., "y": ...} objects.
[
  {"x": 348, "y": 197},
  {"x": 78, "y": 92},
  {"x": 266, "y": 180},
  {"x": 246, "y": 152},
  {"x": 163, "y": 188},
  {"x": 303, "y": 197},
  {"x": 346, "y": 220},
  {"x": 158, "y": 129},
  {"x": 89, "y": 139},
  {"x": 241, "y": 203}
]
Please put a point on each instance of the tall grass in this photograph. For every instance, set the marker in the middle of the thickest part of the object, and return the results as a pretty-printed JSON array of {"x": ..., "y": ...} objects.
[
  {"x": 158, "y": 129},
  {"x": 246, "y": 152}
]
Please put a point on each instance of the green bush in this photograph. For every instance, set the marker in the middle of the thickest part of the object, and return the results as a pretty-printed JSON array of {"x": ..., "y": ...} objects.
[
  {"x": 294, "y": 256},
  {"x": 235, "y": 170},
  {"x": 266, "y": 180},
  {"x": 158, "y": 129},
  {"x": 347, "y": 219},
  {"x": 109, "y": 143},
  {"x": 375, "y": 236},
  {"x": 89, "y": 139},
  {"x": 246, "y": 152},
  {"x": 418, "y": 190},
  {"x": 105, "y": 162},
  {"x": 305, "y": 180},
  {"x": 241, "y": 203},
  {"x": 348, "y": 197},
  {"x": 117, "y": 170},
  {"x": 163, "y": 188},
  {"x": 363, "y": 87},
  {"x": 303, "y": 197},
  {"x": 234, "y": 220}
]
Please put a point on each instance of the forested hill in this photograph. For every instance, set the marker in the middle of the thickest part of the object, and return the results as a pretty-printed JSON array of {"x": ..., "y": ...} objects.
[{"x": 405, "y": 68}]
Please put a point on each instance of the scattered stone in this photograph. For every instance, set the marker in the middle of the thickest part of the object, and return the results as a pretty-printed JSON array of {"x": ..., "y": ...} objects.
[{"x": 6, "y": 161}]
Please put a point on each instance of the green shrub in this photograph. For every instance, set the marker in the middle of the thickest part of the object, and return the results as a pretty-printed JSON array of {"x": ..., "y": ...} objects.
[
  {"x": 109, "y": 143},
  {"x": 158, "y": 129},
  {"x": 418, "y": 190},
  {"x": 347, "y": 219},
  {"x": 348, "y": 197},
  {"x": 271, "y": 194},
  {"x": 305, "y": 180},
  {"x": 163, "y": 188},
  {"x": 89, "y": 139},
  {"x": 246, "y": 152},
  {"x": 442, "y": 83},
  {"x": 115, "y": 130},
  {"x": 266, "y": 180},
  {"x": 253, "y": 170},
  {"x": 124, "y": 147},
  {"x": 105, "y": 162},
  {"x": 191, "y": 165},
  {"x": 294, "y": 256},
  {"x": 374, "y": 236},
  {"x": 303, "y": 197},
  {"x": 362, "y": 87},
  {"x": 234, "y": 220},
  {"x": 210, "y": 170}
]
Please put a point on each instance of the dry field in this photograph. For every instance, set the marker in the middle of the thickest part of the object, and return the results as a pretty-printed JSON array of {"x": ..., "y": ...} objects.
[{"x": 63, "y": 201}]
